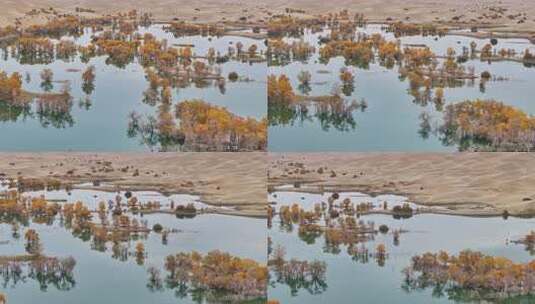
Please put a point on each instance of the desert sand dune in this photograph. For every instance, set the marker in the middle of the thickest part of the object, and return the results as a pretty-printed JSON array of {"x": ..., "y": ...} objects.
[
  {"x": 514, "y": 15},
  {"x": 205, "y": 10},
  {"x": 428, "y": 10}
]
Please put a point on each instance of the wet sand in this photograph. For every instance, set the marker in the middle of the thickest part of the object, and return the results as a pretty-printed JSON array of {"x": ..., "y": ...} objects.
[
  {"x": 481, "y": 184},
  {"x": 226, "y": 179}
]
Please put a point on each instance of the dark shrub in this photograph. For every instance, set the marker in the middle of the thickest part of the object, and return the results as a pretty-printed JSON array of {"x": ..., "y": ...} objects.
[
  {"x": 157, "y": 228},
  {"x": 383, "y": 229},
  {"x": 233, "y": 76}
]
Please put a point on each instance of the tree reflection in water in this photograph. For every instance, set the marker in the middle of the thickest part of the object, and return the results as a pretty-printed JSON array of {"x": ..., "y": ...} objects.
[
  {"x": 47, "y": 271},
  {"x": 297, "y": 274},
  {"x": 329, "y": 111}
]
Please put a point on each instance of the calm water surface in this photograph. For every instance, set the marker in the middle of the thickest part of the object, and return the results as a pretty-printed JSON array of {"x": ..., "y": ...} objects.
[
  {"x": 349, "y": 281},
  {"x": 103, "y": 279},
  {"x": 118, "y": 92},
  {"x": 391, "y": 121}
]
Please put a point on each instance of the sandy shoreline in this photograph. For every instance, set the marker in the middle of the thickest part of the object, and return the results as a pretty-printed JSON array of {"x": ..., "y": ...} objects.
[
  {"x": 220, "y": 179},
  {"x": 478, "y": 184}
]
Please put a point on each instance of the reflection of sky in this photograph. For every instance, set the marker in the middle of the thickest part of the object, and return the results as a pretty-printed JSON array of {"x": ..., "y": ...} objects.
[
  {"x": 92, "y": 198},
  {"x": 118, "y": 92},
  {"x": 348, "y": 280},
  {"x": 308, "y": 200},
  {"x": 391, "y": 121},
  {"x": 203, "y": 43},
  {"x": 438, "y": 45}
]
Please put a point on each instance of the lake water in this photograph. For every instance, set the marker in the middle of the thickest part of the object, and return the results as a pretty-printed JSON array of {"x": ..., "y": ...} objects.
[
  {"x": 391, "y": 122},
  {"x": 103, "y": 279},
  {"x": 350, "y": 281},
  {"x": 118, "y": 92}
]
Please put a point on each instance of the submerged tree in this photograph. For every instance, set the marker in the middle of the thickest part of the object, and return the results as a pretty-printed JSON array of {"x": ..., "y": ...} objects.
[
  {"x": 33, "y": 243},
  {"x": 529, "y": 242},
  {"x": 348, "y": 81},
  {"x": 298, "y": 274},
  {"x": 46, "y": 80},
  {"x": 140, "y": 253},
  {"x": 304, "y": 78},
  {"x": 218, "y": 129},
  {"x": 485, "y": 277},
  {"x": 55, "y": 108},
  {"x": 10, "y": 87},
  {"x": 215, "y": 272},
  {"x": 488, "y": 125},
  {"x": 155, "y": 281},
  {"x": 280, "y": 90},
  {"x": 88, "y": 80}
]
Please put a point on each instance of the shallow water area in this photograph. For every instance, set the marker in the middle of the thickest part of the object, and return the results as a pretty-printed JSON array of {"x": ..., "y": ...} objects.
[
  {"x": 119, "y": 92},
  {"x": 348, "y": 278},
  {"x": 97, "y": 269},
  {"x": 392, "y": 119}
]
